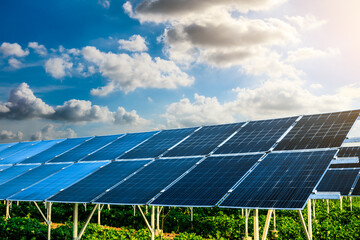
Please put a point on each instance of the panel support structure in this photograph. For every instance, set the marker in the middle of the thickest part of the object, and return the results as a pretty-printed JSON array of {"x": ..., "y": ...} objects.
[
  {"x": 314, "y": 208},
  {"x": 48, "y": 222},
  {"x": 75, "y": 221},
  {"x": 327, "y": 206},
  {"x": 304, "y": 225},
  {"x": 267, "y": 224},
  {"x": 256, "y": 224},
  {"x": 99, "y": 208},
  {"x": 147, "y": 222},
  {"x": 350, "y": 203},
  {"x": 309, "y": 218},
  {"x": 247, "y": 223},
  {"x": 341, "y": 203},
  {"x": 8, "y": 203},
  {"x": 87, "y": 222}
]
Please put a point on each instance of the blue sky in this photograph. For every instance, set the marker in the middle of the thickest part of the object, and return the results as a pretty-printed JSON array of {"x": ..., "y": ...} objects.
[{"x": 80, "y": 68}]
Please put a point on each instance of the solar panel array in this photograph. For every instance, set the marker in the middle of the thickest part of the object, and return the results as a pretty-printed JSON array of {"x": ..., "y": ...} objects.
[
  {"x": 338, "y": 180},
  {"x": 273, "y": 163}
]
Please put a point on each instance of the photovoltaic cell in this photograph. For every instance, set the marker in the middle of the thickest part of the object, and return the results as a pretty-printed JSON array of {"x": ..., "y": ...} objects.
[
  {"x": 55, "y": 150},
  {"x": 15, "y": 148},
  {"x": 85, "y": 149},
  {"x": 208, "y": 183},
  {"x": 336, "y": 180},
  {"x": 6, "y": 145},
  {"x": 27, "y": 179},
  {"x": 14, "y": 171},
  {"x": 356, "y": 191},
  {"x": 2, "y": 167},
  {"x": 54, "y": 183},
  {"x": 147, "y": 183},
  {"x": 98, "y": 182},
  {"x": 118, "y": 147},
  {"x": 29, "y": 151},
  {"x": 319, "y": 131},
  {"x": 204, "y": 141},
  {"x": 257, "y": 136},
  {"x": 158, "y": 144},
  {"x": 281, "y": 181}
]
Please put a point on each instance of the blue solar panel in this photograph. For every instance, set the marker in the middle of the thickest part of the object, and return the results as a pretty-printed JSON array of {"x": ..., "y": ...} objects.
[
  {"x": 98, "y": 182},
  {"x": 85, "y": 149},
  {"x": 55, "y": 150},
  {"x": 27, "y": 179},
  {"x": 29, "y": 151},
  {"x": 6, "y": 145},
  {"x": 204, "y": 140},
  {"x": 54, "y": 183},
  {"x": 257, "y": 136},
  {"x": 158, "y": 144},
  {"x": 338, "y": 180},
  {"x": 2, "y": 167},
  {"x": 206, "y": 184},
  {"x": 281, "y": 181},
  {"x": 118, "y": 147},
  {"x": 14, "y": 171},
  {"x": 147, "y": 183},
  {"x": 15, "y": 148}
]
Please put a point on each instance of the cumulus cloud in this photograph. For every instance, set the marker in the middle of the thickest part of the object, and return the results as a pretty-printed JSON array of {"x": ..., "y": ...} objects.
[
  {"x": 136, "y": 43},
  {"x": 10, "y": 135},
  {"x": 128, "y": 72},
  {"x": 51, "y": 132},
  {"x": 104, "y": 3},
  {"x": 13, "y": 49},
  {"x": 58, "y": 67},
  {"x": 38, "y": 48},
  {"x": 270, "y": 100},
  {"x": 307, "y": 22},
  {"x": 23, "y": 104},
  {"x": 14, "y": 63},
  {"x": 309, "y": 53}
]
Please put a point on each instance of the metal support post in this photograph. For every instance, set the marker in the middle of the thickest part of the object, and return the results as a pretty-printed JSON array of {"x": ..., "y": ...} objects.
[
  {"x": 246, "y": 223},
  {"x": 256, "y": 224},
  {"x": 192, "y": 216},
  {"x": 274, "y": 221},
  {"x": 314, "y": 208},
  {"x": 146, "y": 221},
  {"x": 327, "y": 204},
  {"x": 48, "y": 210},
  {"x": 75, "y": 221},
  {"x": 341, "y": 201},
  {"x": 303, "y": 225},
  {"x": 158, "y": 219},
  {"x": 242, "y": 212},
  {"x": 309, "y": 219},
  {"x": 153, "y": 223},
  {"x": 267, "y": 224},
  {"x": 350, "y": 203},
  {"x": 87, "y": 222},
  {"x": 7, "y": 216},
  {"x": 99, "y": 213}
]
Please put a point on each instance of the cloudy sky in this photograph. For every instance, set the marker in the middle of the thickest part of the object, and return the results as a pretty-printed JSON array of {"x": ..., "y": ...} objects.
[{"x": 81, "y": 68}]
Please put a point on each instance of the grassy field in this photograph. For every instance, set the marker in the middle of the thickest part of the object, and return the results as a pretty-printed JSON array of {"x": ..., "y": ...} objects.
[{"x": 209, "y": 223}]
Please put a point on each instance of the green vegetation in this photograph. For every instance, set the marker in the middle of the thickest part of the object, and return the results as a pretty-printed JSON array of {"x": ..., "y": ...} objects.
[{"x": 27, "y": 223}]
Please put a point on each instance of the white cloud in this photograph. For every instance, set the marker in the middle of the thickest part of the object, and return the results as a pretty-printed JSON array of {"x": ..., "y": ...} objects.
[
  {"x": 13, "y": 49},
  {"x": 10, "y": 135},
  {"x": 51, "y": 132},
  {"x": 14, "y": 63},
  {"x": 309, "y": 53},
  {"x": 270, "y": 100},
  {"x": 104, "y": 3},
  {"x": 307, "y": 22},
  {"x": 136, "y": 43},
  {"x": 23, "y": 104},
  {"x": 58, "y": 67},
  {"x": 38, "y": 48},
  {"x": 128, "y": 72}
]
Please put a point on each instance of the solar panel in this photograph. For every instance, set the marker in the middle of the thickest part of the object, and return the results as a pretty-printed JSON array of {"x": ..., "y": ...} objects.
[
  {"x": 118, "y": 147},
  {"x": 15, "y": 148},
  {"x": 55, "y": 150},
  {"x": 204, "y": 141},
  {"x": 27, "y": 179},
  {"x": 356, "y": 190},
  {"x": 319, "y": 131},
  {"x": 3, "y": 167},
  {"x": 281, "y": 181},
  {"x": 257, "y": 136},
  {"x": 336, "y": 180},
  {"x": 54, "y": 183},
  {"x": 158, "y": 144},
  {"x": 85, "y": 149},
  {"x": 30, "y": 151},
  {"x": 147, "y": 183},
  {"x": 98, "y": 182},
  {"x": 6, "y": 145},
  {"x": 206, "y": 184},
  {"x": 347, "y": 152},
  {"x": 14, "y": 171}
]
